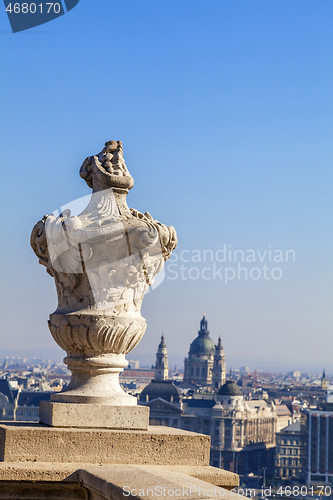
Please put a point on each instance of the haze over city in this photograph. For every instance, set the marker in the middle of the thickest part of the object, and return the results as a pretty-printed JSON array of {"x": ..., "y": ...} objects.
[{"x": 225, "y": 114}]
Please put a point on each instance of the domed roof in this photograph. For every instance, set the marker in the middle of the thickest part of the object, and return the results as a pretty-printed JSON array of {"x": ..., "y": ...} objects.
[
  {"x": 230, "y": 388},
  {"x": 161, "y": 389},
  {"x": 203, "y": 344}
]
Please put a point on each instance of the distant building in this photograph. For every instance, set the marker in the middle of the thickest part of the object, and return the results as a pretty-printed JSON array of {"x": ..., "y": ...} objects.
[
  {"x": 161, "y": 386},
  {"x": 162, "y": 364},
  {"x": 283, "y": 417},
  {"x": 319, "y": 425},
  {"x": 133, "y": 364},
  {"x": 165, "y": 389},
  {"x": 291, "y": 452},
  {"x": 205, "y": 364},
  {"x": 27, "y": 405},
  {"x": 140, "y": 375},
  {"x": 20, "y": 405},
  {"x": 242, "y": 432},
  {"x": 323, "y": 382},
  {"x": 7, "y": 401},
  {"x": 218, "y": 372},
  {"x": 163, "y": 412}
]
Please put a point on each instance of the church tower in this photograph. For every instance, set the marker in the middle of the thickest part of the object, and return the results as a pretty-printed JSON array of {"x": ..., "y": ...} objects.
[
  {"x": 218, "y": 373},
  {"x": 162, "y": 364},
  {"x": 323, "y": 381},
  {"x": 199, "y": 363}
]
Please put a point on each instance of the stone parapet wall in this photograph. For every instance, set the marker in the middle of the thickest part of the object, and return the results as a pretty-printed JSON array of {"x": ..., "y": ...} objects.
[
  {"x": 158, "y": 446},
  {"x": 115, "y": 482},
  {"x": 46, "y": 463}
]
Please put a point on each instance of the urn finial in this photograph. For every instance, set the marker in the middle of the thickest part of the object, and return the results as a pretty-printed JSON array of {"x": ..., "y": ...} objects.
[
  {"x": 107, "y": 169},
  {"x": 103, "y": 260}
]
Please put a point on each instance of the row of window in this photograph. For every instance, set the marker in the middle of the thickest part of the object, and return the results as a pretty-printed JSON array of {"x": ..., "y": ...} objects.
[
  {"x": 288, "y": 461},
  {"x": 205, "y": 422},
  {"x": 27, "y": 413},
  {"x": 290, "y": 442},
  {"x": 227, "y": 432},
  {"x": 197, "y": 372},
  {"x": 287, "y": 473},
  {"x": 290, "y": 451}
]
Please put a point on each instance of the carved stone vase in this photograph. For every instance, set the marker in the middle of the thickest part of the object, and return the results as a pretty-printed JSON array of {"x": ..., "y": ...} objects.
[{"x": 102, "y": 260}]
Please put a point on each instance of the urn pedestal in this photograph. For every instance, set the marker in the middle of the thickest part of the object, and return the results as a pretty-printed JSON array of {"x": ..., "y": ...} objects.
[{"x": 103, "y": 260}]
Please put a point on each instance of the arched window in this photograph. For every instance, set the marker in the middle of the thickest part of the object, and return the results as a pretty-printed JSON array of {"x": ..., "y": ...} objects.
[
  {"x": 203, "y": 372},
  {"x": 192, "y": 371},
  {"x": 197, "y": 372}
]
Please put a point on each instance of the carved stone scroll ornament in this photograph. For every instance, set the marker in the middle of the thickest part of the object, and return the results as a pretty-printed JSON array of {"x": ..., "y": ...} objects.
[{"x": 102, "y": 260}]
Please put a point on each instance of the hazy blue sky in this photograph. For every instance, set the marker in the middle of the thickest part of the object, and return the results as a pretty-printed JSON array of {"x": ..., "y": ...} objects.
[{"x": 225, "y": 111}]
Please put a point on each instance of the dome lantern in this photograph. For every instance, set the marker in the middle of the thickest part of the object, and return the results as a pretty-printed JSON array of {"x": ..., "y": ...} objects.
[{"x": 203, "y": 344}]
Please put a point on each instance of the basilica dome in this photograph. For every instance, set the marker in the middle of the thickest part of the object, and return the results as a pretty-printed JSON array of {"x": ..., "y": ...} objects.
[
  {"x": 203, "y": 344},
  {"x": 205, "y": 365}
]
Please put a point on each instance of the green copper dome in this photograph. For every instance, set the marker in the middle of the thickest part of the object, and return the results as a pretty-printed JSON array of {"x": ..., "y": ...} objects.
[
  {"x": 230, "y": 388},
  {"x": 203, "y": 344}
]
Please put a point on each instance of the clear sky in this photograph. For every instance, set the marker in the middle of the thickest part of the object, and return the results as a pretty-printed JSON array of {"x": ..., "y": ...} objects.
[{"x": 225, "y": 111}]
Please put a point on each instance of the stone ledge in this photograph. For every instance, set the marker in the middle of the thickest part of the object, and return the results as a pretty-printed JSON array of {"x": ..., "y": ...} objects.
[
  {"x": 45, "y": 463},
  {"x": 148, "y": 482},
  {"x": 30, "y": 442},
  {"x": 33, "y": 471},
  {"x": 93, "y": 416},
  {"x": 213, "y": 475},
  {"x": 116, "y": 482}
]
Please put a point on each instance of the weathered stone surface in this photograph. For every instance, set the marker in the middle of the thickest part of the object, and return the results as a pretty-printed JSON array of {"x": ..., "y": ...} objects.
[
  {"x": 110, "y": 482},
  {"x": 121, "y": 481},
  {"x": 158, "y": 445},
  {"x": 102, "y": 260},
  {"x": 213, "y": 475},
  {"x": 21, "y": 490},
  {"x": 160, "y": 459},
  {"x": 41, "y": 471},
  {"x": 93, "y": 415}
]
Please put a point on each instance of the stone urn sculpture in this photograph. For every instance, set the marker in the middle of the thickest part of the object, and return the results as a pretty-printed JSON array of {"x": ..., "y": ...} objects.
[{"x": 102, "y": 260}]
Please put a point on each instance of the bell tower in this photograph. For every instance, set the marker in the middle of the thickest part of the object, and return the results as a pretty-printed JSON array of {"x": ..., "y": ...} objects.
[
  {"x": 218, "y": 373},
  {"x": 162, "y": 364},
  {"x": 323, "y": 381}
]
